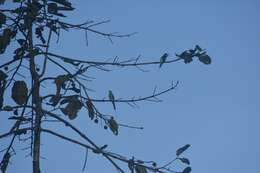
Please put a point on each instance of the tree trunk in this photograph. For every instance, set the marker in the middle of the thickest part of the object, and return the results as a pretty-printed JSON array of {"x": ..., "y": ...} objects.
[{"x": 37, "y": 104}]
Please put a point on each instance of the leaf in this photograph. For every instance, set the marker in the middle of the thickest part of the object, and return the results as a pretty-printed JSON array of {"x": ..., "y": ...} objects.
[
  {"x": 72, "y": 108},
  {"x": 204, "y": 58},
  {"x": 38, "y": 32},
  {"x": 59, "y": 81},
  {"x": 186, "y": 56},
  {"x": 184, "y": 160},
  {"x": 19, "y": 92},
  {"x": 3, "y": 76},
  {"x": 186, "y": 170},
  {"x": 53, "y": 9},
  {"x": 20, "y": 10},
  {"x": 140, "y": 169},
  {"x": 2, "y": 2},
  {"x": 19, "y": 53},
  {"x": 3, "y": 83},
  {"x": 20, "y": 132},
  {"x": 62, "y": 2},
  {"x": 112, "y": 98},
  {"x": 163, "y": 59},
  {"x": 113, "y": 126},
  {"x": 8, "y": 108},
  {"x": 2, "y": 19},
  {"x": 5, "y": 39},
  {"x": 66, "y": 8},
  {"x": 90, "y": 108},
  {"x": 182, "y": 149}
]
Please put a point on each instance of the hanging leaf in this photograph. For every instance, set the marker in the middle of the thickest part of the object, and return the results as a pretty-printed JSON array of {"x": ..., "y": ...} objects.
[
  {"x": 20, "y": 132},
  {"x": 61, "y": 79},
  {"x": 53, "y": 9},
  {"x": 33, "y": 9},
  {"x": 91, "y": 112},
  {"x": 140, "y": 169},
  {"x": 19, "y": 53},
  {"x": 112, "y": 98},
  {"x": 182, "y": 149},
  {"x": 113, "y": 125},
  {"x": 3, "y": 83},
  {"x": 66, "y": 8},
  {"x": 72, "y": 108},
  {"x": 163, "y": 59},
  {"x": 60, "y": 82},
  {"x": 8, "y": 108},
  {"x": 204, "y": 58},
  {"x": 2, "y": 2},
  {"x": 184, "y": 160},
  {"x": 20, "y": 10},
  {"x": 38, "y": 33},
  {"x": 186, "y": 56},
  {"x": 5, "y": 39},
  {"x": 2, "y": 19},
  {"x": 19, "y": 92},
  {"x": 3, "y": 76},
  {"x": 186, "y": 170},
  {"x": 62, "y": 2}
]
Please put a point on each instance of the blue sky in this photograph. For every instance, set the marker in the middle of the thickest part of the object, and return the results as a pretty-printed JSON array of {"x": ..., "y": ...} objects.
[{"x": 215, "y": 108}]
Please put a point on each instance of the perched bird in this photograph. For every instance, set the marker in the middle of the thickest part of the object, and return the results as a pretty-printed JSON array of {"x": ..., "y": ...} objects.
[
  {"x": 112, "y": 98},
  {"x": 163, "y": 59},
  {"x": 113, "y": 125}
]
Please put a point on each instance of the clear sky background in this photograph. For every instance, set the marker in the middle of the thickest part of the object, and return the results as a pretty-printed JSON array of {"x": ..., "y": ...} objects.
[{"x": 215, "y": 108}]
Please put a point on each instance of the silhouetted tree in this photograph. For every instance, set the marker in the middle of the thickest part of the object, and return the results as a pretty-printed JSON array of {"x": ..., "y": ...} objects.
[{"x": 30, "y": 26}]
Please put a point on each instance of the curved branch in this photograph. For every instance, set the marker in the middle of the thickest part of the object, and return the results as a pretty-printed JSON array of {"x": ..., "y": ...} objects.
[
  {"x": 87, "y": 27},
  {"x": 102, "y": 63},
  {"x": 147, "y": 98}
]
